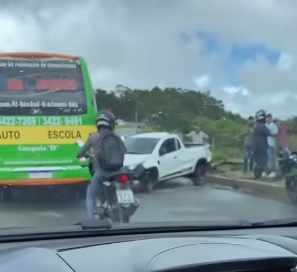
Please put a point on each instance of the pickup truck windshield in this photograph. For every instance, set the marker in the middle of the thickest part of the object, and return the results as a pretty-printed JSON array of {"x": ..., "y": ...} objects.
[{"x": 140, "y": 145}]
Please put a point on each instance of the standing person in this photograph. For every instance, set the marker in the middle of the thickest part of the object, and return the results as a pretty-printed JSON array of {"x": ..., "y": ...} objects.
[
  {"x": 271, "y": 147},
  {"x": 260, "y": 144},
  {"x": 283, "y": 139},
  {"x": 248, "y": 160},
  {"x": 198, "y": 136}
]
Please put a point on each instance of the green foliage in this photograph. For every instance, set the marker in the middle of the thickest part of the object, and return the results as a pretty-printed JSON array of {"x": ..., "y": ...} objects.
[
  {"x": 219, "y": 157},
  {"x": 180, "y": 110}
]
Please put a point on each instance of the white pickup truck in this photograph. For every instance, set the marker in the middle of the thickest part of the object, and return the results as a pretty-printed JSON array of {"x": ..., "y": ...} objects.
[{"x": 165, "y": 156}]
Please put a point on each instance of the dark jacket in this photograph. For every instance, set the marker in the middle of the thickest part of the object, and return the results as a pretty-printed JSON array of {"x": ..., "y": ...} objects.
[
  {"x": 91, "y": 144},
  {"x": 260, "y": 134}
]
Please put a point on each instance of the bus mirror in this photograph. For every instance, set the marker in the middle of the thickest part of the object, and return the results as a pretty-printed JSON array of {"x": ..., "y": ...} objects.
[{"x": 80, "y": 143}]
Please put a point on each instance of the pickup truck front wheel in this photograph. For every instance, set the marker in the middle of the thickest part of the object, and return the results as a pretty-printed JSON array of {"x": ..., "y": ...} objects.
[
  {"x": 148, "y": 182},
  {"x": 199, "y": 175}
]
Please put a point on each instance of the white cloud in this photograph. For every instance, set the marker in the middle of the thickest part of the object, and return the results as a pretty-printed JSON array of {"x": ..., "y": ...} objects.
[
  {"x": 236, "y": 90},
  {"x": 285, "y": 62},
  {"x": 135, "y": 43},
  {"x": 202, "y": 82}
]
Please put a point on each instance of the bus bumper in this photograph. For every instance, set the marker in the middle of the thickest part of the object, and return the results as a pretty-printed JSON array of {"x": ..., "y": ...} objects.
[
  {"x": 68, "y": 181},
  {"x": 44, "y": 176}
]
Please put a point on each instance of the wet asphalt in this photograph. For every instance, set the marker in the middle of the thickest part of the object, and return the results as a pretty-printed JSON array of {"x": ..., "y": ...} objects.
[{"x": 175, "y": 200}]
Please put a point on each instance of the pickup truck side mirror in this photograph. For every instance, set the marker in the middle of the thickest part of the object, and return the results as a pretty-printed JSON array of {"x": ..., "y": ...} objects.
[
  {"x": 80, "y": 143},
  {"x": 162, "y": 151}
]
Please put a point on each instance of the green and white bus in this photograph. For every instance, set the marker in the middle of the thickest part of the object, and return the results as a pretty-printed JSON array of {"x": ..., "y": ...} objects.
[{"x": 47, "y": 104}]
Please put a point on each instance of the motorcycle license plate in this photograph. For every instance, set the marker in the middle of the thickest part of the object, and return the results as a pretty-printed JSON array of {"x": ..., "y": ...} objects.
[{"x": 125, "y": 196}]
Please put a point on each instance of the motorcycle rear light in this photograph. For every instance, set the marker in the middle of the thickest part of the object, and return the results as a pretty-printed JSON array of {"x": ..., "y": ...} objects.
[{"x": 124, "y": 178}]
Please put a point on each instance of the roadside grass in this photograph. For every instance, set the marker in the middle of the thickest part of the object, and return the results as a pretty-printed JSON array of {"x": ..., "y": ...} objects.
[
  {"x": 148, "y": 129},
  {"x": 126, "y": 126}
]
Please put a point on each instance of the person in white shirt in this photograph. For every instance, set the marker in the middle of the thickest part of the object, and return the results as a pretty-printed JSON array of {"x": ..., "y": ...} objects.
[
  {"x": 198, "y": 136},
  {"x": 271, "y": 147}
]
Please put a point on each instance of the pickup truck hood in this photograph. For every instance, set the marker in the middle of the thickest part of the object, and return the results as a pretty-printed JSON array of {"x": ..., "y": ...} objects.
[{"x": 133, "y": 159}]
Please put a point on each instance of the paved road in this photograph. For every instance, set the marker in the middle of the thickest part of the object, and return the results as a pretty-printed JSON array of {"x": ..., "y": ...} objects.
[{"x": 173, "y": 201}]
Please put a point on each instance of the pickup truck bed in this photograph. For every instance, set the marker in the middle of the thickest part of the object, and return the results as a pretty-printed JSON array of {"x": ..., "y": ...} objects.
[{"x": 188, "y": 145}]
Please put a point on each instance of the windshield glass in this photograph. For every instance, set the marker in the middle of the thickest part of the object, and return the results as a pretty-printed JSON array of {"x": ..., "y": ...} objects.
[
  {"x": 41, "y": 87},
  {"x": 201, "y": 94},
  {"x": 140, "y": 145}
]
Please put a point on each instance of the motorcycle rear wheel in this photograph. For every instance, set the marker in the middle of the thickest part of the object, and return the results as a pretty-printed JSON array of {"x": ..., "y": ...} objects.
[
  {"x": 291, "y": 188},
  {"x": 119, "y": 215},
  {"x": 107, "y": 207}
]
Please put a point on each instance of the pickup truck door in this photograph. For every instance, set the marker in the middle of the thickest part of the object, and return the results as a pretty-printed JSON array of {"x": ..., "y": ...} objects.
[
  {"x": 184, "y": 160},
  {"x": 168, "y": 155}
]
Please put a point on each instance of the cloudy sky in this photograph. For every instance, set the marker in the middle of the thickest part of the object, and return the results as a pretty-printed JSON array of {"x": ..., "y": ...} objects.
[{"x": 243, "y": 51}]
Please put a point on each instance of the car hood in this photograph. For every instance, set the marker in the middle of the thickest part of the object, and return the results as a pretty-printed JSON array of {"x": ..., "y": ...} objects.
[{"x": 133, "y": 159}]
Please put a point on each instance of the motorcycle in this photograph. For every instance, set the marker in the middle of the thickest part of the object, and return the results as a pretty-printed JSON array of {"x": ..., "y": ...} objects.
[
  {"x": 116, "y": 200},
  {"x": 288, "y": 167}
]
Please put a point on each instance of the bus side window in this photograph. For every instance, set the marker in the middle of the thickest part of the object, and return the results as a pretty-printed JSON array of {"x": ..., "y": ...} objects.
[{"x": 94, "y": 102}]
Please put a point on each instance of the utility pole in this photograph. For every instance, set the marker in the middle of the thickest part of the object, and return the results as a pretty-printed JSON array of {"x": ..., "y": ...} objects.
[
  {"x": 136, "y": 118},
  {"x": 136, "y": 114}
]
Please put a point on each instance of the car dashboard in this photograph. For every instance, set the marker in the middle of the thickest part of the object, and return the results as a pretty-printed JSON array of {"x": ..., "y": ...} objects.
[{"x": 240, "y": 250}]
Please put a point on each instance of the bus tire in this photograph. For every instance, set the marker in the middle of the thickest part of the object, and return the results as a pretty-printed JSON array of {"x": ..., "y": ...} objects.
[
  {"x": 81, "y": 191},
  {"x": 7, "y": 194},
  {"x": 81, "y": 194}
]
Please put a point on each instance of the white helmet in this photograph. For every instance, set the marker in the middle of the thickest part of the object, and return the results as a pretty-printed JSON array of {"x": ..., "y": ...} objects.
[
  {"x": 260, "y": 115},
  {"x": 105, "y": 119}
]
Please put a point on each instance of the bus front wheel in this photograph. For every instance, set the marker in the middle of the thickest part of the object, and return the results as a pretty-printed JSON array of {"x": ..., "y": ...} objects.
[
  {"x": 81, "y": 193},
  {"x": 6, "y": 194}
]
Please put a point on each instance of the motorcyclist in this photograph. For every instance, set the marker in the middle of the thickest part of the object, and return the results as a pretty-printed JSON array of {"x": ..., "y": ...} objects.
[
  {"x": 260, "y": 143},
  {"x": 104, "y": 121}
]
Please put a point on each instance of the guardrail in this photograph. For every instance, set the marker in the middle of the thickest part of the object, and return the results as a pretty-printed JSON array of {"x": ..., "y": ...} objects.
[{"x": 234, "y": 162}]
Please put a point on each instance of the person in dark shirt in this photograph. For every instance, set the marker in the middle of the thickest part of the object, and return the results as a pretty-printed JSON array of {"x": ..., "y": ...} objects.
[
  {"x": 248, "y": 160},
  {"x": 260, "y": 144}
]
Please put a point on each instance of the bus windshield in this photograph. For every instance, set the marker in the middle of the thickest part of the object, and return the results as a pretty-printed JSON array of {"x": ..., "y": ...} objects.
[{"x": 41, "y": 87}]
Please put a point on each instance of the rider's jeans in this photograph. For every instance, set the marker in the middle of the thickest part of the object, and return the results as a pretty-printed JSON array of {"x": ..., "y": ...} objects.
[
  {"x": 248, "y": 159},
  {"x": 93, "y": 191},
  {"x": 271, "y": 159},
  {"x": 261, "y": 160}
]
